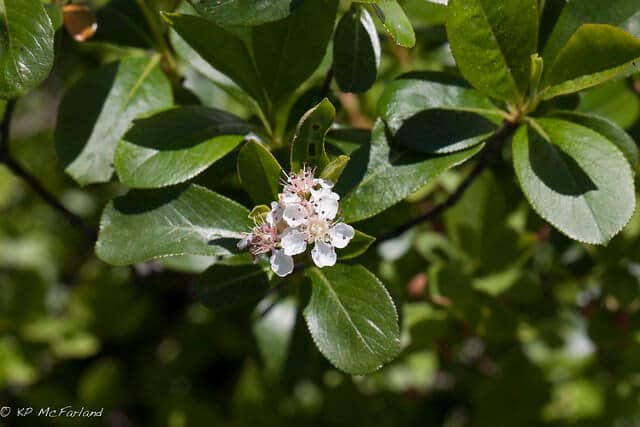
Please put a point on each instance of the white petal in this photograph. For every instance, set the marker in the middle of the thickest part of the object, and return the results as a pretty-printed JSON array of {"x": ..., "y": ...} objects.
[
  {"x": 341, "y": 234},
  {"x": 324, "y": 183},
  {"x": 293, "y": 241},
  {"x": 288, "y": 197},
  {"x": 281, "y": 264},
  {"x": 324, "y": 193},
  {"x": 275, "y": 216},
  {"x": 295, "y": 215},
  {"x": 323, "y": 255},
  {"x": 245, "y": 242},
  {"x": 326, "y": 208}
]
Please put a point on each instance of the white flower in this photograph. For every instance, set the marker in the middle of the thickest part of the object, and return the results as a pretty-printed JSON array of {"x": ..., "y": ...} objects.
[
  {"x": 327, "y": 237},
  {"x": 303, "y": 215},
  {"x": 281, "y": 264}
]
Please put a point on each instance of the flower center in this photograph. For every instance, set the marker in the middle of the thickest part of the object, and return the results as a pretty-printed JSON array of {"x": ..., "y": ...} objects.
[{"x": 317, "y": 229}]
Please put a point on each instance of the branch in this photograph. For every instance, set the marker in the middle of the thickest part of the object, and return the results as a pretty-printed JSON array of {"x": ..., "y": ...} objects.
[
  {"x": 490, "y": 152},
  {"x": 7, "y": 159}
]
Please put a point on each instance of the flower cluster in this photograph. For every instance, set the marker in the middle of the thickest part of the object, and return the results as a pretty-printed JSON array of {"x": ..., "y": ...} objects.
[{"x": 304, "y": 214}]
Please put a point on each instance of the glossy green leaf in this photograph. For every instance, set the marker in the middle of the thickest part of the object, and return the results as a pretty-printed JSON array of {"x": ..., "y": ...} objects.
[
  {"x": 97, "y": 111},
  {"x": 396, "y": 22},
  {"x": 357, "y": 246},
  {"x": 334, "y": 169},
  {"x": 609, "y": 130},
  {"x": 614, "y": 100},
  {"x": 492, "y": 43},
  {"x": 185, "y": 52},
  {"x": 575, "y": 178},
  {"x": 418, "y": 91},
  {"x": 228, "y": 54},
  {"x": 352, "y": 318},
  {"x": 55, "y": 15},
  {"x": 356, "y": 51},
  {"x": 578, "y": 12},
  {"x": 148, "y": 224},
  {"x": 347, "y": 140},
  {"x": 224, "y": 287},
  {"x": 444, "y": 131},
  {"x": 308, "y": 142},
  {"x": 287, "y": 53},
  {"x": 432, "y": 113},
  {"x": 175, "y": 145},
  {"x": 594, "y": 54},
  {"x": 259, "y": 172},
  {"x": 26, "y": 46},
  {"x": 382, "y": 174},
  {"x": 244, "y": 12}
]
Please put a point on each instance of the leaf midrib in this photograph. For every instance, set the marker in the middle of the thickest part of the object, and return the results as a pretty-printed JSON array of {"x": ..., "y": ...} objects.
[
  {"x": 333, "y": 293},
  {"x": 583, "y": 197},
  {"x": 502, "y": 54}
]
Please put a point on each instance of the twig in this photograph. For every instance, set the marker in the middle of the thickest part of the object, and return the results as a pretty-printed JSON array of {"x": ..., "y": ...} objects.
[
  {"x": 7, "y": 159},
  {"x": 151, "y": 16},
  {"x": 491, "y": 150}
]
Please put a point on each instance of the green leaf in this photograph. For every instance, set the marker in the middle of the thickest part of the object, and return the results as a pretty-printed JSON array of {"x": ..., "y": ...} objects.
[
  {"x": 148, "y": 224},
  {"x": 425, "y": 111},
  {"x": 352, "y": 318},
  {"x": 259, "y": 212},
  {"x": 614, "y": 100},
  {"x": 193, "y": 58},
  {"x": 175, "y": 145},
  {"x": 287, "y": 53},
  {"x": 97, "y": 111},
  {"x": 259, "y": 173},
  {"x": 26, "y": 46},
  {"x": 492, "y": 43},
  {"x": 308, "y": 143},
  {"x": 418, "y": 91},
  {"x": 55, "y": 15},
  {"x": 578, "y": 12},
  {"x": 121, "y": 22},
  {"x": 382, "y": 174},
  {"x": 356, "y": 51},
  {"x": 609, "y": 130},
  {"x": 244, "y": 12},
  {"x": 594, "y": 54},
  {"x": 395, "y": 21},
  {"x": 357, "y": 246},
  {"x": 228, "y": 54},
  {"x": 334, "y": 169},
  {"x": 575, "y": 178},
  {"x": 224, "y": 287},
  {"x": 444, "y": 131}
]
